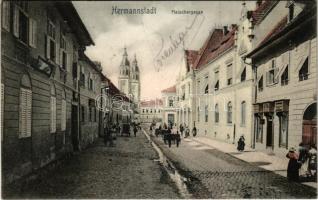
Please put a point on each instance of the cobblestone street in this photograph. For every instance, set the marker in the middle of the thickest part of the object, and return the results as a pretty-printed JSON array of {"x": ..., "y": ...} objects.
[
  {"x": 214, "y": 174},
  {"x": 125, "y": 171}
]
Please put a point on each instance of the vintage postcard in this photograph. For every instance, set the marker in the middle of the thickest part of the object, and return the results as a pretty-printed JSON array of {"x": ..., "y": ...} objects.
[{"x": 159, "y": 99}]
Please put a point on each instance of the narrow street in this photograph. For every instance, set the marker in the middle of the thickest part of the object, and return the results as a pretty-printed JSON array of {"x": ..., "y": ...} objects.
[
  {"x": 214, "y": 174},
  {"x": 125, "y": 171}
]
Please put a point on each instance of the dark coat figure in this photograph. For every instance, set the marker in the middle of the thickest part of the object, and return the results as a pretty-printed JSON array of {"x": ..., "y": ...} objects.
[
  {"x": 293, "y": 165},
  {"x": 303, "y": 153},
  {"x": 194, "y": 131},
  {"x": 178, "y": 139},
  {"x": 181, "y": 129},
  {"x": 241, "y": 144},
  {"x": 135, "y": 130},
  {"x": 169, "y": 137}
]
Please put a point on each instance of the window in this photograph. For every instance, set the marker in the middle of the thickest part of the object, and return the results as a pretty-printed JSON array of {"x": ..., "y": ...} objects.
[
  {"x": 147, "y": 111},
  {"x": 283, "y": 129},
  {"x": 206, "y": 90},
  {"x": 143, "y": 110},
  {"x": 216, "y": 77},
  {"x": 63, "y": 52},
  {"x": 25, "y": 111},
  {"x": 229, "y": 73},
  {"x": 291, "y": 12},
  {"x": 206, "y": 110},
  {"x": 229, "y": 113},
  {"x": 216, "y": 113},
  {"x": 272, "y": 74},
  {"x": 95, "y": 114},
  {"x": 5, "y": 15},
  {"x": 260, "y": 84},
  {"x": 50, "y": 42},
  {"x": 303, "y": 72},
  {"x": 63, "y": 111},
  {"x": 150, "y": 110},
  {"x": 90, "y": 113},
  {"x": 198, "y": 113},
  {"x": 243, "y": 113},
  {"x": 158, "y": 111},
  {"x": 243, "y": 75},
  {"x": 53, "y": 109},
  {"x": 284, "y": 77},
  {"x": 170, "y": 102},
  {"x": 20, "y": 22}
]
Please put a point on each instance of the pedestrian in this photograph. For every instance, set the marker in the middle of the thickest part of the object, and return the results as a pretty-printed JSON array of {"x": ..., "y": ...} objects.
[
  {"x": 169, "y": 137},
  {"x": 312, "y": 161},
  {"x": 181, "y": 130},
  {"x": 241, "y": 143},
  {"x": 194, "y": 131},
  {"x": 303, "y": 157},
  {"x": 293, "y": 165},
  {"x": 187, "y": 132},
  {"x": 177, "y": 138},
  {"x": 135, "y": 130}
]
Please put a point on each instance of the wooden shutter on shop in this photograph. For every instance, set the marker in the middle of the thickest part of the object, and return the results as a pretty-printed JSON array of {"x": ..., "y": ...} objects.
[
  {"x": 2, "y": 109},
  {"x": 32, "y": 32},
  {"x": 63, "y": 115},
  {"x": 25, "y": 113},
  {"x": 28, "y": 113},
  {"x": 53, "y": 114}
]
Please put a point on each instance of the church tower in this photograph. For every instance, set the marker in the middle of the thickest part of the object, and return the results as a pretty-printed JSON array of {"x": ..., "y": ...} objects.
[
  {"x": 124, "y": 74},
  {"x": 135, "y": 80}
]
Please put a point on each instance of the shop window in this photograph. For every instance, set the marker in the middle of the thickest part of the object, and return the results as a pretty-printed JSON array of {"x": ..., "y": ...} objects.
[{"x": 283, "y": 130}]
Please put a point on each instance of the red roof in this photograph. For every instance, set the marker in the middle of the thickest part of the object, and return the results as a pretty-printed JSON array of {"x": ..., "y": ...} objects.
[
  {"x": 151, "y": 103},
  {"x": 191, "y": 56},
  {"x": 170, "y": 90},
  {"x": 279, "y": 27},
  {"x": 217, "y": 44},
  {"x": 262, "y": 10}
]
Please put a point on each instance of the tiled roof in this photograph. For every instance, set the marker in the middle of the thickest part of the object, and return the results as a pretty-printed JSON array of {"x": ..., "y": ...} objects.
[
  {"x": 279, "y": 27},
  {"x": 262, "y": 10},
  {"x": 170, "y": 90},
  {"x": 191, "y": 56},
  {"x": 217, "y": 44},
  {"x": 151, "y": 103}
]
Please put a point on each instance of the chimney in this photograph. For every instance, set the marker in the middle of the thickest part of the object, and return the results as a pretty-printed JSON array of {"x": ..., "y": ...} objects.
[
  {"x": 258, "y": 3},
  {"x": 225, "y": 30}
]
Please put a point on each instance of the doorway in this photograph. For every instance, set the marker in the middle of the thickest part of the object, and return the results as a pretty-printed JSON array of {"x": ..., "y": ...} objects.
[
  {"x": 75, "y": 136},
  {"x": 309, "y": 135},
  {"x": 269, "y": 132},
  {"x": 170, "y": 119}
]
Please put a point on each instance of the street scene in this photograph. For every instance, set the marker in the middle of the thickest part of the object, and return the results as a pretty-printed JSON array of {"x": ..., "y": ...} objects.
[{"x": 159, "y": 100}]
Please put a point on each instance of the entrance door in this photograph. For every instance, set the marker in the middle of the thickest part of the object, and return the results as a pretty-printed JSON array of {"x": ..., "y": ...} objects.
[
  {"x": 310, "y": 125},
  {"x": 75, "y": 137},
  {"x": 171, "y": 118},
  {"x": 269, "y": 133}
]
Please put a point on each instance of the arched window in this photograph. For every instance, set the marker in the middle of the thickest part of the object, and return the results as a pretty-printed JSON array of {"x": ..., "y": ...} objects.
[
  {"x": 216, "y": 114},
  {"x": 63, "y": 111},
  {"x": 25, "y": 112},
  {"x": 53, "y": 109},
  {"x": 229, "y": 113},
  {"x": 243, "y": 112}
]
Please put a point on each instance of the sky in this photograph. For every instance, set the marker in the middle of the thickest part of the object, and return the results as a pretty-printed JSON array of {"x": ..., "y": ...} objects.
[{"x": 149, "y": 36}]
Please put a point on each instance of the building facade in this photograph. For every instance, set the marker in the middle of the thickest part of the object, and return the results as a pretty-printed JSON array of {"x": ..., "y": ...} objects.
[
  {"x": 40, "y": 48},
  {"x": 286, "y": 82},
  {"x": 170, "y": 106},
  {"x": 150, "y": 111},
  {"x": 129, "y": 78}
]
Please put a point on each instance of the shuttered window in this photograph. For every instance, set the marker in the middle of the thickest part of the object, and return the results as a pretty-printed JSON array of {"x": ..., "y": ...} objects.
[
  {"x": 53, "y": 114},
  {"x": 229, "y": 74},
  {"x": 2, "y": 109},
  {"x": 25, "y": 113},
  {"x": 63, "y": 115},
  {"x": 32, "y": 32},
  {"x": 5, "y": 15}
]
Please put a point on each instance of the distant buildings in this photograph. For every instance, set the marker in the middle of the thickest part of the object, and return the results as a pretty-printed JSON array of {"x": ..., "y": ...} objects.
[
  {"x": 150, "y": 111},
  {"x": 169, "y": 107}
]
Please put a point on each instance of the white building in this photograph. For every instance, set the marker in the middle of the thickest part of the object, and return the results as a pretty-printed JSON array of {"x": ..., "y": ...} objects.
[
  {"x": 169, "y": 108},
  {"x": 150, "y": 111},
  {"x": 286, "y": 82}
]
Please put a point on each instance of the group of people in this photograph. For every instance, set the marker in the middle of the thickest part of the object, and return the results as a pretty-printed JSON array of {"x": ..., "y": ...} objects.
[{"x": 304, "y": 161}]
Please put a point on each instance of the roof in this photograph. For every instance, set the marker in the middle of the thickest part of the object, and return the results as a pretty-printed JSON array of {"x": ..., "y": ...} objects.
[
  {"x": 216, "y": 45},
  {"x": 278, "y": 27},
  {"x": 260, "y": 12},
  {"x": 151, "y": 103},
  {"x": 191, "y": 56},
  {"x": 170, "y": 90},
  {"x": 72, "y": 18}
]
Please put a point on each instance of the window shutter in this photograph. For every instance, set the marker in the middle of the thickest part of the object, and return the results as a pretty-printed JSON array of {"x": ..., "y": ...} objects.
[
  {"x": 32, "y": 32},
  {"x": 53, "y": 114},
  {"x": 2, "y": 109},
  {"x": 22, "y": 114},
  {"x": 267, "y": 78},
  {"x": 16, "y": 21},
  {"x": 47, "y": 46},
  {"x": 57, "y": 53},
  {"x": 6, "y": 15},
  {"x": 63, "y": 115},
  {"x": 276, "y": 70},
  {"x": 28, "y": 113}
]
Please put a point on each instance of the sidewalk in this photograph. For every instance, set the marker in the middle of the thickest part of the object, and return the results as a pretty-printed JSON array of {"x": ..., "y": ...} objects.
[{"x": 261, "y": 159}]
